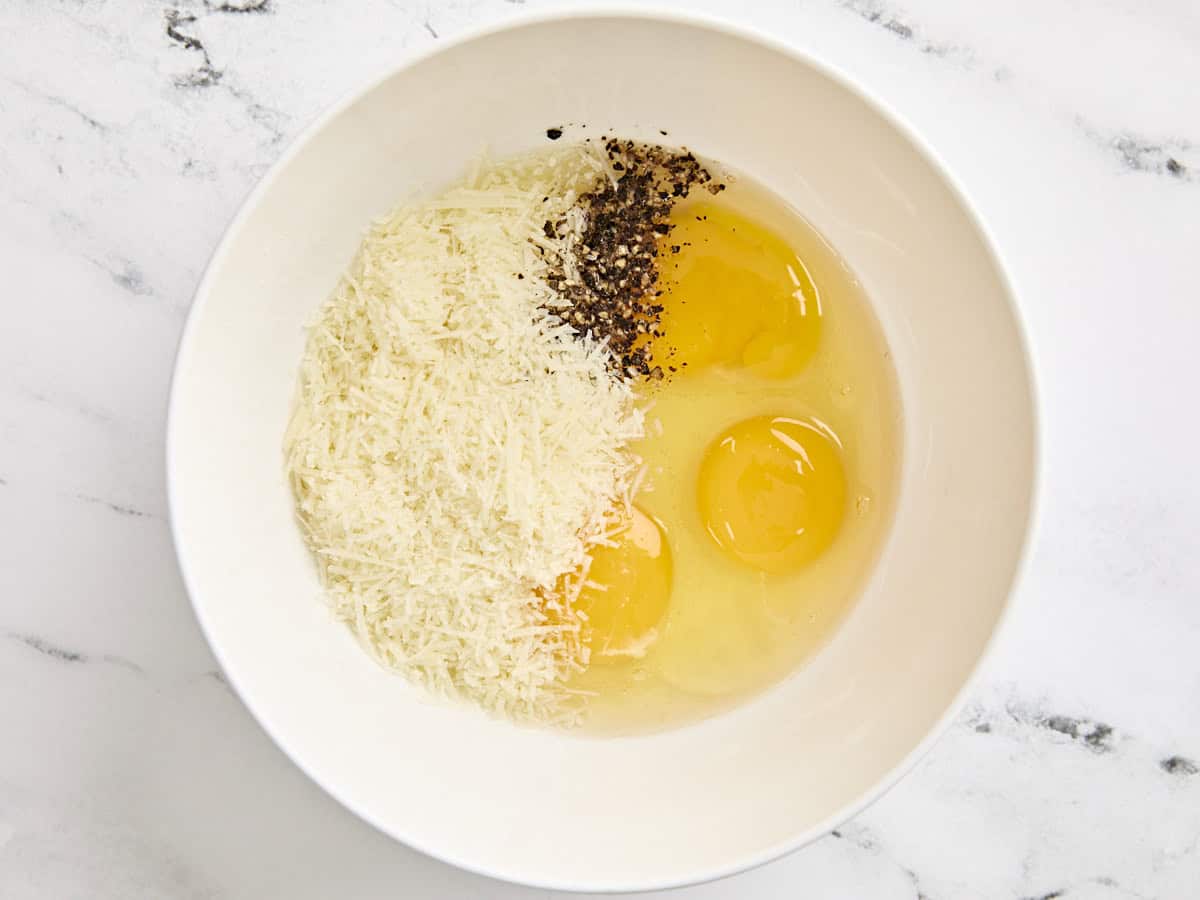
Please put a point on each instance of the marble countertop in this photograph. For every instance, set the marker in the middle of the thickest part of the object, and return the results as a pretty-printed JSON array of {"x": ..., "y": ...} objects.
[{"x": 130, "y": 130}]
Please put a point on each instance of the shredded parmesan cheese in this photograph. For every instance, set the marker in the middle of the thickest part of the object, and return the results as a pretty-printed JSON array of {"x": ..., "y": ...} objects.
[{"x": 456, "y": 449}]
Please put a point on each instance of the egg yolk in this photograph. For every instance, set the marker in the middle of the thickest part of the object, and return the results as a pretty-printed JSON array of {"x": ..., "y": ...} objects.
[
  {"x": 772, "y": 492},
  {"x": 734, "y": 294},
  {"x": 627, "y": 590}
]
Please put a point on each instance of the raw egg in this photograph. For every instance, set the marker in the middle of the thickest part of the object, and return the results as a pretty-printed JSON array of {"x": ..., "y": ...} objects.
[
  {"x": 734, "y": 294},
  {"x": 627, "y": 590},
  {"x": 772, "y": 492}
]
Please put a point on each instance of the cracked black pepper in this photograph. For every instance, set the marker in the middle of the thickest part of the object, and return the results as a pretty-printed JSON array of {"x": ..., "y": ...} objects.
[{"x": 608, "y": 276}]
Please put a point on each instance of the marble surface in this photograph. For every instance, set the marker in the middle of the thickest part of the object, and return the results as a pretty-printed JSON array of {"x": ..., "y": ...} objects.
[{"x": 129, "y": 132}]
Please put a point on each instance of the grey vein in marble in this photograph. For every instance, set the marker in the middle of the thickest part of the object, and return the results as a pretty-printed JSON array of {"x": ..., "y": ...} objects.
[
  {"x": 119, "y": 508},
  {"x": 1098, "y": 737},
  {"x": 272, "y": 121},
  {"x": 1176, "y": 158},
  {"x": 1179, "y": 765},
  {"x": 217, "y": 676},
  {"x": 125, "y": 275},
  {"x": 890, "y": 20},
  {"x": 864, "y": 840},
  {"x": 204, "y": 75},
  {"x": 61, "y": 654},
  {"x": 60, "y": 103},
  {"x": 207, "y": 75},
  {"x": 240, "y": 6},
  {"x": 72, "y": 403}
]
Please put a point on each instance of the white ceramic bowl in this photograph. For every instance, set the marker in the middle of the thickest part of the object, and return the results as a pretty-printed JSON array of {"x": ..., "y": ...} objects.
[{"x": 695, "y": 803}]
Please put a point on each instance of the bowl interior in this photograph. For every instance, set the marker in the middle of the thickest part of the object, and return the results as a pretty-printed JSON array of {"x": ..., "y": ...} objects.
[{"x": 554, "y": 809}]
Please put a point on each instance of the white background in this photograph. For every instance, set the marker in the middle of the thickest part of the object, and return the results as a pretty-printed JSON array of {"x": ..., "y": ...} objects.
[{"x": 128, "y": 770}]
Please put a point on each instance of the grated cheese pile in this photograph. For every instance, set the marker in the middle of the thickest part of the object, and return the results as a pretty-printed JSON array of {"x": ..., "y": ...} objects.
[{"x": 456, "y": 449}]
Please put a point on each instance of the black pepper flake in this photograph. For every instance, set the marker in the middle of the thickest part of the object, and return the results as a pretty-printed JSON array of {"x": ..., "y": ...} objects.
[
  {"x": 554, "y": 133},
  {"x": 616, "y": 256}
]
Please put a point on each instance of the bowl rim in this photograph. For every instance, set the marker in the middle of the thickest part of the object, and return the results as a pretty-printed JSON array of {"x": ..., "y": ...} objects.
[{"x": 753, "y": 35}]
